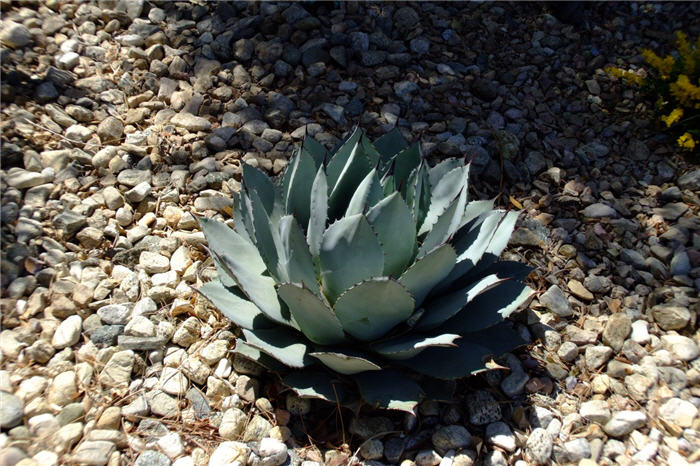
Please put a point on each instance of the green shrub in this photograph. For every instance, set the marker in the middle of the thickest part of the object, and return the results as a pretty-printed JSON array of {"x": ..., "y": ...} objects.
[{"x": 366, "y": 271}]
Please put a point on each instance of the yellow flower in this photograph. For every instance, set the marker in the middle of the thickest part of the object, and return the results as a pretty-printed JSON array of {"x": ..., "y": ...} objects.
[
  {"x": 686, "y": 52},
  {"x": 685, "y": 92},
  {"x": 662, "y": 65},
  {"x": 629, "y": 76},
  {"x": 686, "y": 141},
  {"x": 672, "y": 117}
]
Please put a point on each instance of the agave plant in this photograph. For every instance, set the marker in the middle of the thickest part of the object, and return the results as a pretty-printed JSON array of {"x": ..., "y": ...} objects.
[{"x": 366, "y": 268}]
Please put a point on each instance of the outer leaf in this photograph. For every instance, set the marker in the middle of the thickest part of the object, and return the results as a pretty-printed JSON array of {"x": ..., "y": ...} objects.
[
  {"x": 236, "y": 308},
  {"x": 389, "y": 389},
  {"x": 259, "y": 289},
  {"x": 502, "y": 235},
  {"x": 254, "y": 179},
  {"x": 500, "y": 338},
  {"x": 315, "y": 319},
  {"x": 446, "y": 225},
  {"x": 345, "y": 363},
  {"x": 408, "y": 346},
  {"x": 267, "y": 238},
  {"x": 447, "y": 189},
  {"x": 315, "y": 149},
  {"x": 439, "y": 390},
  {"x": 298, "y": 196},
  {"x": 286, "y": 346},
  {"x": 476, "y": 209},
  {"x": 370, "y": 151},
  {"x": 254, "y": 354},
  {"x": 296, "y": 258},
  {"x": 449, "y": 363},
  {"x": 442, "y": 308},
  {"x": 428, "y": 271},
  {"x": 441, "y": 169},
  {"x": 239, "y": 222},
  {"x": 405, "y": 162},
  {"x": 318, "y": 214},
  {"x": 418, "y": 193},
  {"x": 357, "y": 167},
  {"x": 370, "y": 309},
  {"x": 315, "y": 384},
  {"x": 490, "y": 307},
  {"x": 390, "y": 144},
  {"x": 470, "y": 246},
  {"x": 389, "y": 217},
  {"x": 368, "y": 193},
  {"x": 349, "y": 254},
  {"x": 223, "y": 240},
  {"x": 340, "y": 158}
]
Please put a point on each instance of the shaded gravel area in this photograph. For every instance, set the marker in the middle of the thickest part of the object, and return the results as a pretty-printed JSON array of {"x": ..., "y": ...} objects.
[{"x": 122, "y": 119}]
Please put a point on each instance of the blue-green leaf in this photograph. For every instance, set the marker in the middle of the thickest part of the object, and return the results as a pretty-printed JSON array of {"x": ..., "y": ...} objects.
[
  {"x": 418, "y": 193},
  {"x": 445, "y": 191},
  {"x": 255, "y": 179},
  {"x": 442, "y": 308},
  {"x": 449, "y": 363},
  {"x": 286, "y": 346},
  {"x": 308, "y": 383},
  {"x": 239, "y": 221},
  {"x": 296, "y": 258},
  {"x": 340, "y": 158},
  {"x": 390, "y": 144},
  {"x": 234, "y": 306},
  {"x": 368, "y": 193},
  {"x": 389, "y": 389},
  {"x": 500, "y": 338},
  {"x": 406, "y": 347},
  {"x": 315, "y": 149},
  {"x": 318, "y": 214},
  {"x": 428, "y": 271},
  {"x": 476, "y": 209},
  {"x": 350, "y": 253},
  {"x": 405, "y": 162},
  {"x": 254, "y": 354},
  {"x": 315, "y": 319},
  {"x": 388, "y": 217},
  {"x": 370, "y": 151},
  {"x": 436, "y": 173},
  {"x": 267, "y": 238},
  {"x": 370, "y": 309},
  {"x": 446, "y": 225},
  {"x": 490, "y": 307},
  {"x": 356, "y": 169},
  {"x": 502, "y": 235},
  {"x": 298, "y": 195},
  {"x": 345, "y": 363},
  {"x": 223, "y": 240}
]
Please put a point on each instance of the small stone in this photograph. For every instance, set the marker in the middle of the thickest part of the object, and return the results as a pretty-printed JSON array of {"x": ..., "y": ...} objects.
[
  {"x": 568, "y": 351},
  {"x": 640, "y": 332},
  {"x": 114, "y": 314},
  {"x": 539, "y": 446},
  {"x": 162, "y": 404},
  {"x": 578, "y": 290},
  {"x": 173, "y": 382},
  {"x": 428, "y": 458},
  {"x": 624, "y": 422},
  {"x": 190, "y": 122},
  {"x": 682, "y": 347},
  {"x": 171, "y": 444},
  {"x": 599, "y": 211},
  {"x": 93, "y": 452},
  {"x": 11, "y": 410},
  {"x": 500, "y": 435},
  {"x": 671, "y": 316},
  {"x": 372, "y": 449},
  {"x": 233, "y": 424},
  {"x": 68, "y": 332},
  {"x": 450, "y": 438},
  {"x": 595, "y": 411},
  {"x": 15, "y": 35},
  {"x": 110, "y": 129},
  {"x": 117, "y": 371},
  {"x": 257, "y": 429},
  {"x": 63, "y": 389},
  {"x": 483, "y": 408},
  {"x": 187, "y": 332},
  {"x": 679, "y": 412},
  {"x": 152, "y": 262},
  {"x": 596, "y": 356},
  {"x": 152, "y": 458},
  {"x": 273, "y": 452},
  {"x": 616, "y": 330},
  {"x": 577, "y": 449},
  {"x": 230, "y": 453},
  {"x": 555, "y": 300}
]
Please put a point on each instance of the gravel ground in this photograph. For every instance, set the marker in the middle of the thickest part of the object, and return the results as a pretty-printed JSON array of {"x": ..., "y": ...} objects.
[{"x": 120, "y": 119}]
